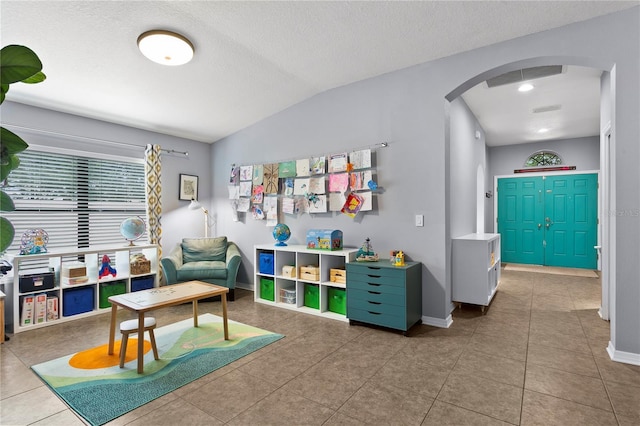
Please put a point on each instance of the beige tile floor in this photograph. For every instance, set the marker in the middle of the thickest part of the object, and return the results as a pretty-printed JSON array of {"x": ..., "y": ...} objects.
[{"x": 537, "y": 357}]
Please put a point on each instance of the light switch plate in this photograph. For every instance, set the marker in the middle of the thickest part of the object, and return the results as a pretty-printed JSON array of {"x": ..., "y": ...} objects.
[{"x": 419, "y": 220}]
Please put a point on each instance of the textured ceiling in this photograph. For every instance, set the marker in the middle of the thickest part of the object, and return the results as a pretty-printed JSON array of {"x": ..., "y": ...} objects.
[{"x": 252, "y": 59}]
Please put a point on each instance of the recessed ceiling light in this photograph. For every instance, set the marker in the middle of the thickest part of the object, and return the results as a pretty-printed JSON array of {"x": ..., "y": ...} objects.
[
  {"x": 525, "y": 87},
  {"x": 543, "y": 130},
  {"x": 165, "y": 47}
]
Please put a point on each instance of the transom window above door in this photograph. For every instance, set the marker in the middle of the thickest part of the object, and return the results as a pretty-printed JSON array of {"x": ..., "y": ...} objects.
[{"x": 543, "y": 158}]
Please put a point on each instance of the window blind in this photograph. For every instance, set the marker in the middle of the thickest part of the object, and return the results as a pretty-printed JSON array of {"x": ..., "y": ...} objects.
[{"x": 79, "y": 201}]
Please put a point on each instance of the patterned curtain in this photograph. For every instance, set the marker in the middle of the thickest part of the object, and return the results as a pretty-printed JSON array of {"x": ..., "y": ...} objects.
[{"x": 153, "y": 171}]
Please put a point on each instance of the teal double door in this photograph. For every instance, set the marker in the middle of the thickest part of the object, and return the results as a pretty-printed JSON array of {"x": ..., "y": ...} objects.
[{"x": 549, "y": 220}]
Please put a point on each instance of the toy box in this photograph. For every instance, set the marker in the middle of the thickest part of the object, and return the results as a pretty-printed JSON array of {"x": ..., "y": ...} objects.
[
  {"x": 324, "y": 239},
  {"x": 289, "y": 271},
  {"x": 311, "y": 273},
  {"x": 338, "y": 276}
]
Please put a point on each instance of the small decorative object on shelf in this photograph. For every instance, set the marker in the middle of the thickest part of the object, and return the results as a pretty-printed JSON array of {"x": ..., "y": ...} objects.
[
  {"x": 366, "y": 253},
  {"x": 34, "y": 241},
  {"x": 138, "y": 264},
  {"x": 132, "y": 229},
  {"x": 106, "y": 269},
  {"x": 399, "y": 260},
  {"x": 281, "y": 233}
]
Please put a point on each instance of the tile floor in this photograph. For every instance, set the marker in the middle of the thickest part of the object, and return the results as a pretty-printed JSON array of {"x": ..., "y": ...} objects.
[{"x": 537, "y": 357}]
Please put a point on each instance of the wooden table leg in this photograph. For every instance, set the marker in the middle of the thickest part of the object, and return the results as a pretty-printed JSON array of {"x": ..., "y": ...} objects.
[
  {"x": 195, "y": 313},
  {"x": 112, "y": 328},
  {"x": 223, "y": 297},
  {"x": 140, "y": 342}
]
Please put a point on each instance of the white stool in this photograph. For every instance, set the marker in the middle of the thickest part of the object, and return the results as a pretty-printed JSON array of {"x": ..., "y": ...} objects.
[{"x": 131, "y": 327}]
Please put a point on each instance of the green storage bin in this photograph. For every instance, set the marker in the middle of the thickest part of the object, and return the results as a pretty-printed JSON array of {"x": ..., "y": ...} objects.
[
  {"x": 267, "y": 290},
  {"x": 110, "y": 289},
  {"x": 312, "y": 296},
  {"x": 337, "y": 300}
]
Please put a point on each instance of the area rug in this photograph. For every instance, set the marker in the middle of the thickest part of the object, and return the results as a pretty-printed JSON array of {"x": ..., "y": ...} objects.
[
  {"x": 93, "y": 385},
  {"x": 576, "y": 272}
]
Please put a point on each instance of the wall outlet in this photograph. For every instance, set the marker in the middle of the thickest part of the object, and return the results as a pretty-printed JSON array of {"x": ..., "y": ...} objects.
[{"x": 419, "y": 220}]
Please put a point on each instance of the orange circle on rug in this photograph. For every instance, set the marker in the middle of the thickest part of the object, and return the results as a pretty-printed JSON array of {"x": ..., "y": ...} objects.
[{"x": 97, "y": 357}]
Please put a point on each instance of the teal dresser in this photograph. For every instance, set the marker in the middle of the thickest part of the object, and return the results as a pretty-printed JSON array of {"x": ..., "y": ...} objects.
[{"x": 385, "y": 295}]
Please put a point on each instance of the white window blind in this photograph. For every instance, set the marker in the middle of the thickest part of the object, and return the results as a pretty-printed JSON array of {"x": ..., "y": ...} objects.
[{"x": 79, "y": 201}]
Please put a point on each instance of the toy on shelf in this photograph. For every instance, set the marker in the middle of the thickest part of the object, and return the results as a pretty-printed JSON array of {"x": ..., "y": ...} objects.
[
  {"x": 366, "y": 253},
  {"x": 34, "y": 241},
  {"x": 106, "y": 269},
  {"x": 399, "y": 260}
]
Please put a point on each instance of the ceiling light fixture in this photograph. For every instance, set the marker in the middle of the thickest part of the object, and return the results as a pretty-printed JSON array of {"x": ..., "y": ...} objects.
[
  {"x": 543, "y": 130},
  {"x": 165, "y": 47},
  {"x": 525, "y": 87}
]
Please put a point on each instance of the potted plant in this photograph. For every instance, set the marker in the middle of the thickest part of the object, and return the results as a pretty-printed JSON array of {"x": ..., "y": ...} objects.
[{"x": 17, "y": 64}]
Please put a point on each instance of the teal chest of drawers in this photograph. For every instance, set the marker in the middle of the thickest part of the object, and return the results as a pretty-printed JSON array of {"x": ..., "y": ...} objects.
[{"x": 382, "y": 294}]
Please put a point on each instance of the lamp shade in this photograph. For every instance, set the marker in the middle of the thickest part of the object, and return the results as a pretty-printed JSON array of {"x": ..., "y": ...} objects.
[
  {"x": 165, "y": 47},
  {"x": 195, "y": 205}
]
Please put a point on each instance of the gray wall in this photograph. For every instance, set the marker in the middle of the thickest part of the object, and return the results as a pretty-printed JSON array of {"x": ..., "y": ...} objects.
[
  {"x": 409, "y": 108},
  {"x": 177, "y": 220}
]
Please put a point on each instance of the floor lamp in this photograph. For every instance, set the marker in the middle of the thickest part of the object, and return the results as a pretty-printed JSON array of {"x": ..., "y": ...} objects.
[{"x": 195, "y": 205}]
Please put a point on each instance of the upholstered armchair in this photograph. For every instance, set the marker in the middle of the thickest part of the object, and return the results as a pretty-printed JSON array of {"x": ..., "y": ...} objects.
[{"x": 212, "y": 260}]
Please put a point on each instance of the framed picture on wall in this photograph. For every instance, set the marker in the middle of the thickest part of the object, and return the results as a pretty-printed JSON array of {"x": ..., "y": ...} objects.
[{"x": 188, "y": 187}]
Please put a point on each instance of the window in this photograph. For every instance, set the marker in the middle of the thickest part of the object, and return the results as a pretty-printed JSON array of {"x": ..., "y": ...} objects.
[
  {"x": 543, "y": 158},
  {"x": 79, "y": 201}
]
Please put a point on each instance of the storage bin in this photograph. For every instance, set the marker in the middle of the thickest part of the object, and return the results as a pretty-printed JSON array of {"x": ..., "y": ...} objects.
[
  {"x": 289, "y": 271},
  {"x": 337, "y": 300},
  {"x": 324, "y": 239},
  {"x": 36, "y": 282},
  {"x": 312, "y": 296},
  {"x": 78, "y": 300},
  {"x": 311, "y": 273},
  {"x": 110, "y": 289},
  {"x": 338, "y": 276},
  {"x": 266, "y": 263},
  {"x": 288, "y": 295},
  {"x": 142, "y": 283},
  {"x": 267, "y": 291}
]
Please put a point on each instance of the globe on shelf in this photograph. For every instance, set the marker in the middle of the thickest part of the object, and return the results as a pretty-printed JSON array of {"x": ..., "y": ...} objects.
[
  {"x": 281, "y": 233},
  {"x": 132, "y": 228}
]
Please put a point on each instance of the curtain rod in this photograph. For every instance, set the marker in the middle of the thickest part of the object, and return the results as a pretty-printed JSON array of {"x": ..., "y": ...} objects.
[{"x": 104, "y": 141}]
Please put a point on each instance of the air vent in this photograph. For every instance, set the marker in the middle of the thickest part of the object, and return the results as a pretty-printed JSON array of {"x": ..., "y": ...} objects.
[
  {"x": 524, "y": 75},
  {"x": 547, "y": 108}
]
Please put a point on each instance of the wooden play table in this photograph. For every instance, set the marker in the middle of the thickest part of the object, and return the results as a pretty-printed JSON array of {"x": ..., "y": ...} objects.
[{"x": 162, "y": 297}]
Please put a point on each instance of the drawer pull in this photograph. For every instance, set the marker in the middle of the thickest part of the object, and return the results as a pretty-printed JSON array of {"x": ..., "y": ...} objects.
[
  {"x": 374, "y": 276},
  {"x": 374, "y": 267},
  {"x": 374, "y": 313},
  {"x": 374, "y": 303},
  {"x": 374, "y": 284},
  {"x": 373, "y": 292}
]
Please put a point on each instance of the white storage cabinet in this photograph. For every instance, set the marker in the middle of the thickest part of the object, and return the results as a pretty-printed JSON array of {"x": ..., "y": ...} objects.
[
  {"x": 296, "y": 256},
  {"x": 55, "y": 260},
  {"x": 476, "y": 268}
]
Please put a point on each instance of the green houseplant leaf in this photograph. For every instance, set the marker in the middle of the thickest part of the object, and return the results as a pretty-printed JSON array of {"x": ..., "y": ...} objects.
[
  {"x": 18, "y": 64},
  {"x": 6, "y": 234},
  {"x": 6, "y": 203}
]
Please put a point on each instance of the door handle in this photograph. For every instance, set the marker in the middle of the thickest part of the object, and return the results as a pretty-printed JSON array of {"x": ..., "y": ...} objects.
[{"x": 539, "y": 225}]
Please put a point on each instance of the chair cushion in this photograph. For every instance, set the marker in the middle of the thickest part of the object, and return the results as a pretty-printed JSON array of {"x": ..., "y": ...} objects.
[
  {"x": 204, "y": 249},
  {"x": 133, "y": 324},
  {"x": 202, "y": 270}
]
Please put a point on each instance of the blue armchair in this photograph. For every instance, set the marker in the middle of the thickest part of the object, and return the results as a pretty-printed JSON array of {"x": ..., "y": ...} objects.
[{"x": 212, "y": 260}]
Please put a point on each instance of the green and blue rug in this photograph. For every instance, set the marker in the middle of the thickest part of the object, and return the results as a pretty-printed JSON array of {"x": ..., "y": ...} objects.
[{"x": 93, "y": 385}]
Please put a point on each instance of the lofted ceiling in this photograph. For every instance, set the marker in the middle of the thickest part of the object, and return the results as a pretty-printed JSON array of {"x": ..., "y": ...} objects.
[{"x": 254, "y": 59}]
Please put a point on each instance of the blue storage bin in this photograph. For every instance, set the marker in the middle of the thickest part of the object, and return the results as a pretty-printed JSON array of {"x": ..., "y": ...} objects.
[
  {"x": 266, "y": 263},
  {"x": 78, "y": 300},
  {"x": 142, "y": 283}
]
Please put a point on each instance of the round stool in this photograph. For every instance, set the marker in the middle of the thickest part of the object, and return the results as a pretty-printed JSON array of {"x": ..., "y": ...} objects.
[{"x": 131, "y": 327}]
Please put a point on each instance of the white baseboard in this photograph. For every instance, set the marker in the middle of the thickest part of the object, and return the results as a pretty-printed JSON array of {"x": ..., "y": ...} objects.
[
  {"x": 244, "y": 286},
  {"x": 437, "y": 322},
  {"x": 624, "y": 357}
]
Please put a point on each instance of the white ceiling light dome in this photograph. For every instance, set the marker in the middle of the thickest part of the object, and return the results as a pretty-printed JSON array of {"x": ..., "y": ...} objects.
[{"x": 165, "y": 47}]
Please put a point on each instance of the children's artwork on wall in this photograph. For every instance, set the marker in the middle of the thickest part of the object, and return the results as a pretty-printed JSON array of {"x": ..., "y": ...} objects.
[
  {"x": 302, "y": 167},
  {"x": 257, "y": 212},
  {"x": 257, "y": 194},
  {"x": 234, "y": 210},
  {"x": 245, "y": 189},
  {"x": 336, "y": 201},
  {"x": 270, "y": 178},
  {"x": 317, "y": 185},
  {"x": 338, "y": 182},
  {"x": 288, "y": 187},
  {"x": 287, "y": 169},
  {"x": 234, "y": 175},
  {"x": 258, "y": 172},
  {"x": 246, "y": 172},
  {"x": 270, "y": 203},
  {"x": 360, "y": 159},
  {"x": 359, "y": 180},
  {"x": 318, "y": 165},
  {"x": 353, "y": 205},
  {"x": 234, "y": 192},
  {"x": 367, "y": 201},
  {"x": 301, "y": 186},
  {"x": 288, "y": 205},
  {"x": 243, "y": 204},
  {"x": 317, "y": 203},
  {"x": 338, "y": 163}
]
